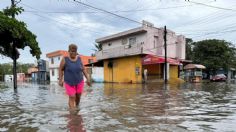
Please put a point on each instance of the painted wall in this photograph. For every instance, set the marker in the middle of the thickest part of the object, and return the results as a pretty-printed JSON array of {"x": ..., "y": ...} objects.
[
  {"x": 98, "y": 74},
  {"x": 173, "y": 71},
  {"x": 151, "y": 43},
  {"x": 155, "y": 41},
  {"x": 54, "y": 77},
  {"x": 123, "y": 70},
  {"x": 54, "y": 62},
  {"x": 140, "y": 38},
  {"x": 8, "y": 78},
  {"x": 181, "y": 48}
]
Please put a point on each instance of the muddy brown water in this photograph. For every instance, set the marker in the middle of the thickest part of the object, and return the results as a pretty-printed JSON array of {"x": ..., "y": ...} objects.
[{"x": 120, "y": 107}]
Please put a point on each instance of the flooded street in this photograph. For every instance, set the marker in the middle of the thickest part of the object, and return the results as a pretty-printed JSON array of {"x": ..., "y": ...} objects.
[{"x": 120, "y": 107}]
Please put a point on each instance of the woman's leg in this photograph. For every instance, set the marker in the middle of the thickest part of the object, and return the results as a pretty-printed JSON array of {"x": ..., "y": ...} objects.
[
  {"x": 79, "y": 91},
  {"x": 72, "y": 102},
  {"x": 71, "y": 92},
  {"x": 77, "y": 100}
]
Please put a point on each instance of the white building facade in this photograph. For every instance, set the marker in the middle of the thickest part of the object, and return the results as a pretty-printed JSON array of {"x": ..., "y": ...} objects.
[{"x": 54, "y": 59}]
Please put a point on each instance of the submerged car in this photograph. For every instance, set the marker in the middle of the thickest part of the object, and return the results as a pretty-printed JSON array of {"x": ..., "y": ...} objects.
[{"x": 219, "y": 77}]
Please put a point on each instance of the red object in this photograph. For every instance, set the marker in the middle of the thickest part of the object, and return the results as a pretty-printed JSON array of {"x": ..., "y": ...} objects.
[
  {"x": 152, "y": 59},
  {"x": 219, "y": 77}
]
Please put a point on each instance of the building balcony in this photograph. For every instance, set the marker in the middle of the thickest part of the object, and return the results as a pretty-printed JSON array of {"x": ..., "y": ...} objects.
[{"x": 122, "y": 51}]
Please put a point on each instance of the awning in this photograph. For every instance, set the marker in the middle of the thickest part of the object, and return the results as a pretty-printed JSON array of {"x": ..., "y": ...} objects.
[
  {"x": 152, "y": 59},
  {"x": 96, "y": 64},
  {"x": 193, "y": 66}
]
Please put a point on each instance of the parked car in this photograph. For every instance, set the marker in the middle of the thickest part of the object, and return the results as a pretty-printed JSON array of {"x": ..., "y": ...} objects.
[{"x": 219, "y": 77}]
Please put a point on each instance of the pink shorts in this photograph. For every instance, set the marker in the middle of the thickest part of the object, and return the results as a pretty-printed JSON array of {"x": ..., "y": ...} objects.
[{"x": 76, "y": 89}]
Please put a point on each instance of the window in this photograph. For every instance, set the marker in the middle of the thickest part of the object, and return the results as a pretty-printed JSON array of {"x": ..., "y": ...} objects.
[
  {"x": 132, "y": 40},
  {"x": 53, "y": 72},
  {"x": 52, "y": 61},
  {"x": 90, "y": 61},
  {"x": 109, "y": 44},
  {"x": 59, "y": 58}
]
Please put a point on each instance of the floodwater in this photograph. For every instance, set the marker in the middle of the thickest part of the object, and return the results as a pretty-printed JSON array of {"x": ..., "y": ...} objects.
[{"x": 120, "y": 107}]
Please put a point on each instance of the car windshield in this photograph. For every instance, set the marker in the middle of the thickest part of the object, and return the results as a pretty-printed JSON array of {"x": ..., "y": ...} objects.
[{"x": 221, "y": 75}]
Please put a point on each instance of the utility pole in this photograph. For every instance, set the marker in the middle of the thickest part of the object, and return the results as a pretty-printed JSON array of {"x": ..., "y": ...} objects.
[
  {"x": 165, "y": 75},
  {"x": 14, "y": 52}
]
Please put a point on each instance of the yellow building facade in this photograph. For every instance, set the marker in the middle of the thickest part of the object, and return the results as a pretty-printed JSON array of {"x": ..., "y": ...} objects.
[
  {"x": 123, "y": 70},
  {"x": 130, "y": 70},
  {"x": 173, "y": 71}
]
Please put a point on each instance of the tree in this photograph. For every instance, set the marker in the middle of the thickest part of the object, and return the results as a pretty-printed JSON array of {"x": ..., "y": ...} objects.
[
  {"x": 14, "y": 31},
  {"x": 14, "y": 34},
  {"x": 189, "y": 49},
  {"x": 214, "y": 54},
  {"x": 98, "y": 47}
]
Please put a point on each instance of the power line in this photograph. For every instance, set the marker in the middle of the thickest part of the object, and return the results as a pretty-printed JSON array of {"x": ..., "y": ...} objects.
[
  {"x": 48, "y": 18},
  {"x": 107, "y": 12},
  {"x": 116, "y": 11},
  {"x": 215, "y": 33},
  {"x": 216, "y": 7},
  {"x": 205, "y": 19}
]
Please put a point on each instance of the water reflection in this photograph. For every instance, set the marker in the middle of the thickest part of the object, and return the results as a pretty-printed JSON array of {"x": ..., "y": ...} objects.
[
  {"x": 75, "y": 122},
  {"x": 120, "y": 107}
]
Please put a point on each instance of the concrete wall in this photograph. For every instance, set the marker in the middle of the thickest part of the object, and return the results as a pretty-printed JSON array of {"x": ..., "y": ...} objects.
[
  {"x": 98, "y": 74},
  {"x": 173, "y": 71},
  {"x": 54, "y": 78},
  {"x": 8, "y": 78},
  {"x": 56, "y": 61},
  {"x": 140, "y": 38},
  {"x": 20, "y": 77},
  {"x": 54, "y": 67},
  {"x": 124, "y": 70},
  {"x": 152, "y": 42}
]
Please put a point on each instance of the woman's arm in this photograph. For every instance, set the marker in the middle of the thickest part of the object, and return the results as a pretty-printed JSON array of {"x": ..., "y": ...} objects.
[
  {"x": 61, "y": 71},
  {"x": 87, "y": 76}
]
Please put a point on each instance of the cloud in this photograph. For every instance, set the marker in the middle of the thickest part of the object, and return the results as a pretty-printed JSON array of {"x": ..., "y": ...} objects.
[{"x": 83, "y": 25}]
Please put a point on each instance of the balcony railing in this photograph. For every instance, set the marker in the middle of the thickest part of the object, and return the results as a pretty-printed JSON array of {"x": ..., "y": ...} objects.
[{"x": 124, "y": 50}]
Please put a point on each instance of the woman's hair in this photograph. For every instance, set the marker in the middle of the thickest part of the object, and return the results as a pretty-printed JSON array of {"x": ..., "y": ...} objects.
[{"x": 72, "y": 46}]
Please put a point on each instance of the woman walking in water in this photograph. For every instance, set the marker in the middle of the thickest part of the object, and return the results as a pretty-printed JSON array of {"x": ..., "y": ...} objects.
[{"x": 72, "y": 69}]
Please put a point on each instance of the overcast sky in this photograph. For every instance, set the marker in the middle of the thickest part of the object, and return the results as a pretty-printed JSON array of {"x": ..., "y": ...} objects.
[{"x": 57, "y": 23}]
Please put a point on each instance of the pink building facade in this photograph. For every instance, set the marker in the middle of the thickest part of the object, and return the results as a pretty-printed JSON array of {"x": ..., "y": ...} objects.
[{"x": 142, "y": 40}]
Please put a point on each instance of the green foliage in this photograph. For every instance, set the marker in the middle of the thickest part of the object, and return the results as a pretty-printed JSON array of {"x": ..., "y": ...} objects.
[
  {"x": 189, "y": 49},
  {"x": 98, "y": 47},
  {"x": 12, "y": 30},
  {"x": 6, "y": 68},
  {"x": 13, "y": 11},
  {"x": 214, "y": 54}
]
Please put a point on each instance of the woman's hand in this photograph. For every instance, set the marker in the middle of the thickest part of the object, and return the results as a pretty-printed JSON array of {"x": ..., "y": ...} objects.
[
  {"x": 89, "y": 83},
  {"x": 61, "y": 83}
]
